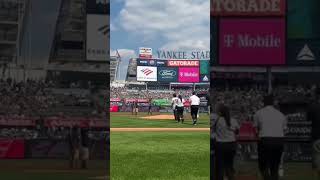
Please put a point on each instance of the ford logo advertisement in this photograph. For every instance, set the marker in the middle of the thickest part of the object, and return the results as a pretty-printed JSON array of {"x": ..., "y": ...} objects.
[{"x": 167, "y": 74}]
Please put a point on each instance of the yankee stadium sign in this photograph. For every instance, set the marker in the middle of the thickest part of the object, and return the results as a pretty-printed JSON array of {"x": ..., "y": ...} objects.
[
  {"x": 183, "y": 55},
  {"x": 248, "y": 7}
]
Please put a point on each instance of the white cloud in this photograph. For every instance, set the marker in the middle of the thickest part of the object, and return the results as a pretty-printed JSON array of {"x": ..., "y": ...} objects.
[
  {"x": 183, "y": 24},
  {"x": 113, "y": 27}
]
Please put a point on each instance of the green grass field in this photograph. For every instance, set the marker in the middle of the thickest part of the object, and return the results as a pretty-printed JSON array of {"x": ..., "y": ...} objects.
[
  {"x": 126, "y": 120},
  {"x": 28, "y": 169},
  {"x": 160, "y": 155}
]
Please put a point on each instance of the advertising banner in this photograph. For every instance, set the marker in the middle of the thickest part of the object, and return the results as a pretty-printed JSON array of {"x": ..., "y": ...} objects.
[
  {"x": 146, "y": 73},
  {"x": 248, "y": 7},
  {"x": 167, "y": 74},
  {"x": 114, "y": 108},
  {"x": 204, "y": 67},
  {"x": 147, "y": 62},
  {"x": 161, "y": 63},
  {"x": 188, "y": 75},
  {"x": 142, "y": 62},
  {"x": 11, "y": 148},
  {"x": 97, "y": 47},
  {"x": 185, "y": 63},
  {"x": 252, "y": 42},
  {"x": 145, "y": 52},
  {"x": 303, "y": 52},
  {"x": 205, "y": 78}
]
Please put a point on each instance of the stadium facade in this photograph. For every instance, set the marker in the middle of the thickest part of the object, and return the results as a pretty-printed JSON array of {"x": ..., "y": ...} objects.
[
  {"x": 76, "y": 52},
  {"x": 114, "y": 67},
  {"x": 12, "y": 24}
]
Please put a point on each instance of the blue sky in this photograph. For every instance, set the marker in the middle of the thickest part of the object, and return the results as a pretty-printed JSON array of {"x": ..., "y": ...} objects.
[{"x": 182, "y": 25}]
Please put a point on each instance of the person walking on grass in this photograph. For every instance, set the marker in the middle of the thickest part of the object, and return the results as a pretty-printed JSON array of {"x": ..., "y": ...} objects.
[
  {"x": 225, "y": 130},
  {"x": 180, "y": 109},
  {"x": 174, "y": 103},
  {"x": 195, "y": 102},
  {"x": 271, "y": 125}
]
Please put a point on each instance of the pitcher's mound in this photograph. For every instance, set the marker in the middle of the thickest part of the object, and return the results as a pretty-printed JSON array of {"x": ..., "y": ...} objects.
[{"x": 161, "y": 117}]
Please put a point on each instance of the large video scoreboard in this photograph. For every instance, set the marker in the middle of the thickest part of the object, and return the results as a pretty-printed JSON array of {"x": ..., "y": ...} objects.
[{"x": 182, "y": 71}]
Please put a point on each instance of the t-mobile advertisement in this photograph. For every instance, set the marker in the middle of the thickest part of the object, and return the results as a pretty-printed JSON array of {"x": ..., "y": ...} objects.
[
  {"x": 252, "y": 41},
  {"x": 188, "y": 75}
]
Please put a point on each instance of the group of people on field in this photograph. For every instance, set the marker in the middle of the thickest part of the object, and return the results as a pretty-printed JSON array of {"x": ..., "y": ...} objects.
[
  {"x": 178, "y": 107},
  {"x": 271, "y": 125}
]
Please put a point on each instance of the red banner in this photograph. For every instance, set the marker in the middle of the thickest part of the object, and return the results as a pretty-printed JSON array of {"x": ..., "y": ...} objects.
[
  {"x": 248, "y": 7},
  {"x": 12, "y": 148},
  {"x": 114, "y": 108}
]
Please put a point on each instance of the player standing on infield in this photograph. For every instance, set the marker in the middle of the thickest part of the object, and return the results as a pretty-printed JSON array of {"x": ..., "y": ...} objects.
[{"x": 195, "y": 102}]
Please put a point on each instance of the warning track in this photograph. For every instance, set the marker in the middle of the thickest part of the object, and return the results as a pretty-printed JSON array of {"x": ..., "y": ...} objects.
[{"x": 159, "y": 129}]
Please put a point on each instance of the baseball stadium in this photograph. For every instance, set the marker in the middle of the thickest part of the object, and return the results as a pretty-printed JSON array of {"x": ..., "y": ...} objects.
[
  {"x": 149, "y": 143},
  {"x": 53, "y": 86}
]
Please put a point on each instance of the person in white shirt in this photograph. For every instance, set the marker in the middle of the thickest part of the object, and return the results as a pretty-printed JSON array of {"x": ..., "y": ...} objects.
[
  {"x": 194, "y": 102},
  {"x": 180, "y": 109},
  {"x": 174, "y": 103},
  {"x": 225, "y": 130},
  {"x": 271, "y": 125}
]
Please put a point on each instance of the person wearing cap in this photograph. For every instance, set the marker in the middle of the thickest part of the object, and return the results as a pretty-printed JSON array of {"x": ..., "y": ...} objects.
[{"x": 271, "y": 125}]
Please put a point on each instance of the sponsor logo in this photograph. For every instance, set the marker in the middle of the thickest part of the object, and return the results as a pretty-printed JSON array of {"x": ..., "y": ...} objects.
[
  {"x": 183, "y": 63},
  {"x": 189, "y": 74},
  {"x": 143, "y": 62},
  {"x": 167, "y": 73},
  {"x": 205, "y": 78},
  {"x": 247, "y": 7},
  {"x": 160, "y": 62},
  {"x": 147, "y": 71},
  {"x": 305, "y": 54},
  {"x": 248, "y": 41}
]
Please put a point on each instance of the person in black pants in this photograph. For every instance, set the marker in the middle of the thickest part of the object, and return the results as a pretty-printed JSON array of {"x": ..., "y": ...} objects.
[
  {"x": 195, "y": 102},
  {"x": 271, "y": 125},
  {"x": 174, "y": 103},
  {"x": 180, "y": 109},
  {"x": 225, "y": 129}
]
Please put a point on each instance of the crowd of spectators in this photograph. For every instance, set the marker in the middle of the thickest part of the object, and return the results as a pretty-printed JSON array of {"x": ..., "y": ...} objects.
[
  {"x": 34, "y": 98},
  {"x": 245, "y": 101},
  {"x": 159, "y": 93}
]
